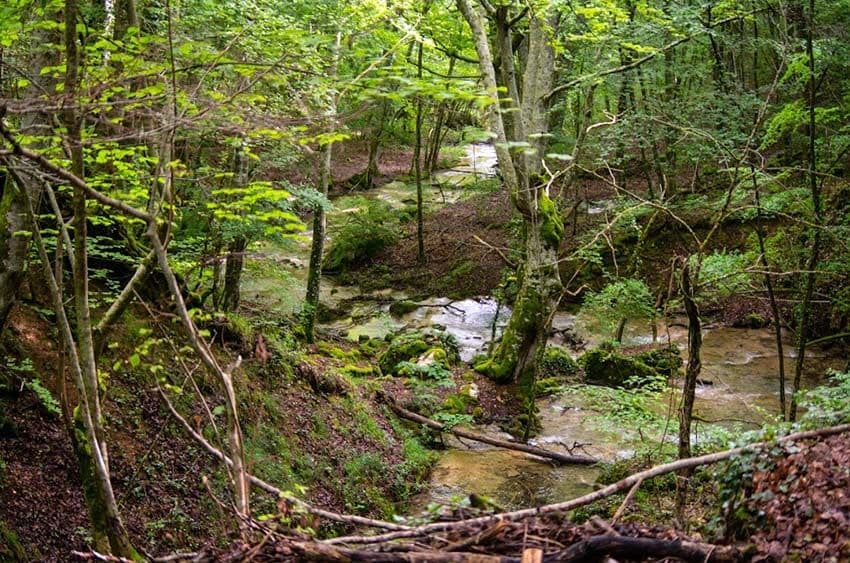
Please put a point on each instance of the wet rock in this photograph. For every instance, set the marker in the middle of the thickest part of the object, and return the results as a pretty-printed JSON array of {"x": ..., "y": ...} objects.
[
  {"x": 413, "y": 346},
  {"x": 605, "y": 366},
  {"x": 403, "y": 307}
]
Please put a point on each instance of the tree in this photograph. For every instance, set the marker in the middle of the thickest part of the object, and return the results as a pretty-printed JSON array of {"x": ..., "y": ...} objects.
[{"x": 524, "y": 337}]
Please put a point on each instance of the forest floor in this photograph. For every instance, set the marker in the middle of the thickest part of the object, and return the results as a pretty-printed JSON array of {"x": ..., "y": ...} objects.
[
  {"x": 309, "y": 427},
  {"x": 798, "y": 496}
]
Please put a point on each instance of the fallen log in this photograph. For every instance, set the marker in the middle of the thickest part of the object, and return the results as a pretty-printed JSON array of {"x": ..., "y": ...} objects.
[
  {"x": 461, "y": 433},
  {"x": 620, "y": 547},
  {"x": 618, "y": 487}
]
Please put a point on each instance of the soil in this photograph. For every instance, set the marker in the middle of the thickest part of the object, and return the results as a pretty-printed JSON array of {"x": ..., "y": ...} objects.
[{"x": 457, "y": 265}]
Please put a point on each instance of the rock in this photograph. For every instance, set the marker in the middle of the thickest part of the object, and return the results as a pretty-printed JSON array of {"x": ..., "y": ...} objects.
[
  {"x": 607, "y": 367},
  {"x": 403, "y": 307},
  {"x": 665, "y": 360},
  {"x": 416, "y": 346},
  {"x": 557, "y": 363}
]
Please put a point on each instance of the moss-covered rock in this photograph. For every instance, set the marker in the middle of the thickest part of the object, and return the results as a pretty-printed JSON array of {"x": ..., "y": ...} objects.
[
  {"x": 357, "y": 371},
  {"x": 665, "y": 360},
  {"x": 557, "y": 363},
  {"x": 437, "y": 346},
  {"x": 605, "y": 366},
  {"x": 403, "y": 307}
]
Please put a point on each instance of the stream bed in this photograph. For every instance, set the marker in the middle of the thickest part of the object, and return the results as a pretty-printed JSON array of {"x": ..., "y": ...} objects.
[{"x": 739, "y": 371}]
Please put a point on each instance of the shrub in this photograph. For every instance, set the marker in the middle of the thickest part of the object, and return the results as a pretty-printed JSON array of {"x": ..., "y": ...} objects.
[{"x": 362, "y": 237}]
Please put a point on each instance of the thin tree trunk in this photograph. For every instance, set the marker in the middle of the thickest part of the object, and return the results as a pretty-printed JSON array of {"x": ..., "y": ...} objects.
[
  {"x": 317, "y": 247},
  {"x": 92, "y": 454},
  {"x": 235, "y": 261},
  {"x": 417, "y": 167},
  {"x": 689, "y": 386},
  {"x": 774, "y": 307},
  {"x": 814, "y": 187}
]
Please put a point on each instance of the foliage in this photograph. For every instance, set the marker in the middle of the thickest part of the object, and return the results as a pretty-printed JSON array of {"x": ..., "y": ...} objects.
[
  {"x": 365, "y": 233},
  {"x": 45, "y": 397},
  {"x": 622, "y": 299}
]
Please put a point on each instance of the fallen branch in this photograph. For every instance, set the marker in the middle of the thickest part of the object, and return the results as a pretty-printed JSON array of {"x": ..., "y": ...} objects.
[
  {"x": 620, "y": 547},
  {"x": 460, "y": 433},
  {"x": 269, "y": 488},
  {"x": 612, "y": 489}
]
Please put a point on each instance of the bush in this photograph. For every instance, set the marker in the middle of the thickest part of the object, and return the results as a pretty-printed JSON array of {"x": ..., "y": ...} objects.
[{"x": 362, "y": 237}]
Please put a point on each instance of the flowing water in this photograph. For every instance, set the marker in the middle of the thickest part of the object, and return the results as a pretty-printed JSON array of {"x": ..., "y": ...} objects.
[{"x": 739, "y": 388}]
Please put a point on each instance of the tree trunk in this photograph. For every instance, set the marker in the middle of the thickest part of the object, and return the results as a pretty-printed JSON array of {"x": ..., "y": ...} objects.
[
  {"x": 686, "y": 410},
  {"x": 91, "y": 447},
  {"x": 514, "y": 358},
  {"x": 233, "y": 274},
  {"x": 235, "y": 260},
  {"x": 417, "y": 167},
  {"x": 14, "y": 245},
  {"x": 317, "y": 247},
  {"x": 774, "y": 307},
  {"x": 814, "y": 186}
]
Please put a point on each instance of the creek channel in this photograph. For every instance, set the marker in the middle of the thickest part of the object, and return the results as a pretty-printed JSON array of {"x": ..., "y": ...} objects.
[{"x": 739, "y": 387}]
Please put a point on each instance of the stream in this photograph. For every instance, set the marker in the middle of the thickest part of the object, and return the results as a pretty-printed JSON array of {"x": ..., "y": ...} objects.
[{"x": 739, "y": 365}]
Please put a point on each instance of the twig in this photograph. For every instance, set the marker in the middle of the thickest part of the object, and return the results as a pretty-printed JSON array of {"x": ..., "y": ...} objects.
[{"x": 612, "y": 489}]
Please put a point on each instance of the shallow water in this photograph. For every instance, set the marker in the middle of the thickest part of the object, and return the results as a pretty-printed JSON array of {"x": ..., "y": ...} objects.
[{"x": 740, "y": 364}]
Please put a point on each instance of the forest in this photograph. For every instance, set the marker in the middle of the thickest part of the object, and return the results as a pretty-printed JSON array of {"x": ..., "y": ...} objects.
[{"x": 424, "y": 280}]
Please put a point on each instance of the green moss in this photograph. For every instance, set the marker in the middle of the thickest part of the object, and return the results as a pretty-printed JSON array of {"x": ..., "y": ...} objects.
[
  {"x": 666, "y": 360},
  {"x": 498, "y": 372},
  {"x": 552, "y": 226},
  {"x": 401, "y": 308},
  {"x": 605, "y": 366},
  {"x": 557, "y": 363},
  {"x": 352, "y": 370},
  {"x": 409, "y": 346},
  {"x": 10, "y": 546},
  {"x": 337, "y": 353}
]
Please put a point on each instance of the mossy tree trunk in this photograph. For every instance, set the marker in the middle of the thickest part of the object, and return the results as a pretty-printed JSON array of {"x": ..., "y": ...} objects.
[
  {"x": 91, "y": 445},
  {"x": 514, "y": 359},
  {"x": 317, "y": 247},
  {"x": 235, "y": 261}
]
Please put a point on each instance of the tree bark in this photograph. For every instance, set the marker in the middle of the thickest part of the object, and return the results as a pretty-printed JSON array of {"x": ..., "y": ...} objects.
[
  {"x": 686, "y": 411},
  {"x": 235, "y": 260},
  {"x": 317, "y": 247},
  {"x": 814, "y": 187}
]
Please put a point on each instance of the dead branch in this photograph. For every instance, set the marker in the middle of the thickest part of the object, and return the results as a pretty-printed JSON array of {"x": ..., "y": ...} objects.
[
  {"x": 540, "y": 452},
  {"x": 269, "y": 488},
  {"x": 620, "y": 547},
  {"x": 608, "y": 491}
]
